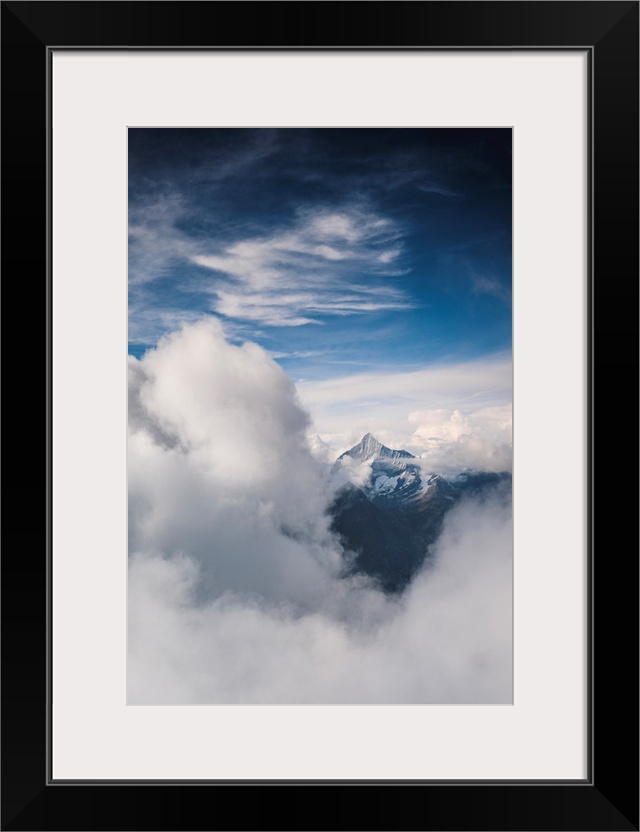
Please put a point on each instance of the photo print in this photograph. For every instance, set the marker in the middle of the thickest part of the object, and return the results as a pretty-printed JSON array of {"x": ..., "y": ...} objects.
[{"x": 320, "y": 416}]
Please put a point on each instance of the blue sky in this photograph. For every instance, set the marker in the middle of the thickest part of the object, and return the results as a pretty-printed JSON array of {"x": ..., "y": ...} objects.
[{"x": 342, "y": 252}]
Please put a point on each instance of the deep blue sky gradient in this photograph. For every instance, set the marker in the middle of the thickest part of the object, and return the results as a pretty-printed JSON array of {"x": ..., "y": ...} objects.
[{"x": 424, "y": 278}]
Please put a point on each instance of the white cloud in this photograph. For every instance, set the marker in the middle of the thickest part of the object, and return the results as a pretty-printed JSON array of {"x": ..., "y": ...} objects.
[
  {"x": 218, "y": 464},
  {"x": 347, "y": 407},
  {"x": 154, "y": 240},
  {"x": 312, "y": 267},
  {"x": 486, "y": 285},
  {"x": 450, "y": 440},
  {"x": 233, "y": 587},
  {"x": 287, "y": 277},
  {"x": 147, "y": 324},
  {"x": 448, "y": 640}
]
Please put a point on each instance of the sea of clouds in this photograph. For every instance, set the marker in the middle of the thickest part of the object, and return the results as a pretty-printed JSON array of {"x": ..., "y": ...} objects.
[{"x": 235, "y": 594}]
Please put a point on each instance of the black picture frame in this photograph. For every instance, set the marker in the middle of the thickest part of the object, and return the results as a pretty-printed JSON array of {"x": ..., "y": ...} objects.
[{"x": 608, "y": 798}]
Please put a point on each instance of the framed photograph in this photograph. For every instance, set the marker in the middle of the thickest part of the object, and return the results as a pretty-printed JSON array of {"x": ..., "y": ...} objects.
[
  {"x": 308, "y": 349},
  {"x": 330, "y": 292}
]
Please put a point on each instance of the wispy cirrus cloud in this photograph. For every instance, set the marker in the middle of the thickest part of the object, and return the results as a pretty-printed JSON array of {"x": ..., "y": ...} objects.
[
  {"x": 155, "y": 241},
  {"x": 487, "y": 285},
  {"x": 326, "y": 262},
  {"x": 322, "y": 263},
  {"x": 147, "y": 323},
  {"x": 432, "y": 411},
  {"x": 359, "y": 244}
]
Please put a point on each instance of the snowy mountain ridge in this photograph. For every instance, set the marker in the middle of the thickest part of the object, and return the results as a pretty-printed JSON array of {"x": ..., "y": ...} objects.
[
  {"x": 386, "y": 475},
  {"x": 369, "y": 448},
  {"x": 388, "y": 514}
]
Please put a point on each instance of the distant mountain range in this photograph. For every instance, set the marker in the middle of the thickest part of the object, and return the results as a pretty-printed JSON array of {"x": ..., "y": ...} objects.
[{"x": 388, "y": 522}]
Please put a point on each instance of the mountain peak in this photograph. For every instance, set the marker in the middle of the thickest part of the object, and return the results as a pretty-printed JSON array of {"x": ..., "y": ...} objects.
[
  {"x": 370, "y": 448},
  {"x": 369, "y": 443}
]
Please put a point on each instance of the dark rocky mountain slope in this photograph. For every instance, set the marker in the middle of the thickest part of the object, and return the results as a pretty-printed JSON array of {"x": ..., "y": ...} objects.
[{"x": 388, "y": 524}]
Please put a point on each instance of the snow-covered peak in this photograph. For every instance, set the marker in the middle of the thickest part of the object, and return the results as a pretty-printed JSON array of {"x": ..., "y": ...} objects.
[{"x": 369, "y": 448}]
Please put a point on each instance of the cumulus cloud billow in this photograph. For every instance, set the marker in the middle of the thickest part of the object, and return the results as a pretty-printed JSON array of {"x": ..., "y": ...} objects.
[
  {"x": 219, "y": 469},
  {"x": 451, "y": 440},
  {"x": 235, "y": 587}
]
